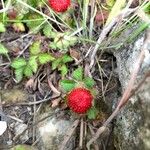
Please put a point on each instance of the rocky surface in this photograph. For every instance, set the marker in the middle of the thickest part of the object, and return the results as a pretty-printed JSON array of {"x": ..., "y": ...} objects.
[
  {"x": 132, "y": 130},
  {"x": 52, "y": 131}
]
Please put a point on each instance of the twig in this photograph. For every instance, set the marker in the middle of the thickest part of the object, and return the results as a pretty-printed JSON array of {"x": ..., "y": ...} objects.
[
  {"x": 127, "y": 94},
  {"x": 81, "y": 134},
  {"x": 69, "y": 134}
]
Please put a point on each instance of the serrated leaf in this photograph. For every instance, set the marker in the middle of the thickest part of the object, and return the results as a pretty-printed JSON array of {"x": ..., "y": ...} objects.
[
  {"x": 47, "y": 30},
  {"x": 35, "y": 48},
  {"x": 3, "y": 49},
  {"x": 56, "y": 63},
  {"x": 33, "y": 63},
  {"x": 67, "y": 85},
  {"x": 45, "y": 58},
  {"x": 2, "y": 27},
  {"x": 78, "y": 74},
  {"x": 27, "y": 71},
  {"x": 67, "y": 58},
  {"x": 63, "y": 70},
  {"x": 89, "y": 82},
  {"x": 18, "y": 63},
  {"x": 92, "y": 113},
  {"x": 19, "y": 74}
]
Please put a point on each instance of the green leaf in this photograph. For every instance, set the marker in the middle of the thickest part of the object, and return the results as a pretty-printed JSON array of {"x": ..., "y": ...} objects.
[
  {"x": 89, "y": 82},
  {"x": 56, "y": 63},
  {"x": 45, "y": 58},
  {"x": 92, "y": 113},
  {"x": 63, "y": 70},
  {"x": 47, "y": 30},
  {"x": 35, "y": 48},
  {"x": 33, "y": 63},
  {"x": 18, "y": 63},
  {"x": 19, "y": 74},
  {"x": 27, "y": 71},
  {"x": 3, "y": 50},
  {"x": 78, "y": 74},
  {"x": 2, "y": 27},
  {"x": 66, "y": 58},
  {"x": 67, "y": 85}
]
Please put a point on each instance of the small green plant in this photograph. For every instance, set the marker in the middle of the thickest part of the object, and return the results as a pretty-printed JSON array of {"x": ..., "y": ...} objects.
[
  {"x": 25, "y": 67},
  {"x": 60, "y": 64},
  {"x": 80, "y": 84},
  {"x": 62, "y": 41}
]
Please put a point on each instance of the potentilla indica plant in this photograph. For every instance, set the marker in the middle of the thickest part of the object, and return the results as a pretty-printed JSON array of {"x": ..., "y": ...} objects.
[{"x": 80, "y": 94}]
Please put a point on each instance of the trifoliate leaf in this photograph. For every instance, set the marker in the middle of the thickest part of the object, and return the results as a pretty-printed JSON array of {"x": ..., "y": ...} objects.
[
  {"x": 66, "y": 58},
  {"x": 3, "y": 50},
  {"x": 78, "y": 74},
  {"x": 33, "y": 63},
  {"x": 92, "y": 113},
  {"x": 56, "y": 63},
  {"x": 63, "y": 41},
  {"x": 18, "y": 63},
  {"x": 45, "y": 58},
  {"x": 27, "y": 71},
  {"x": 19, "y": 74},
  {"x": 67, "y": 85},
  {"x": 35, "y": 48},
  {"x": 2, "y": 27},
  {"x": 89, "y": 82},
  {"x": 63, "y": 70}
]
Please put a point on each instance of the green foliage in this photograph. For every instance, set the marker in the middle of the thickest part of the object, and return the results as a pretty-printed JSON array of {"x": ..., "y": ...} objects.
[
  {"x": 34, "y": 21},
  {"x": 47, "y": 31},
  {"x": 78, "y": 74},
  {"x": 3, "y": 50},
  {"x": 35, "y": 48},
  {"x": 60, "y": 63},
  {"x": 45, "y": 58},
  {"x": 67, "y": 85},
  {"x": 78, "y": 79},
  {"x": 18, "y": 63},
  {"x": 89, "y": 82},
  {"x": 63, "y": 41},
  {"x": 63, "y": 69},
  {"x": 33, "y": 63},
  {"x": 92, "y": 113},
  {"x": 2, "y": 27}
]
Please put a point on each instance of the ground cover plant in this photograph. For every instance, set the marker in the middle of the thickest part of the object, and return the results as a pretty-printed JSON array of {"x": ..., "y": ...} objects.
[{"x": 60, "y": 52}]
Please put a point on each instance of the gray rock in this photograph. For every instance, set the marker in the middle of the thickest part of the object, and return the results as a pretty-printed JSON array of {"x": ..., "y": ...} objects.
[
  {"x": 132, "y": 130},
  {"x": 52, "y": 132}
]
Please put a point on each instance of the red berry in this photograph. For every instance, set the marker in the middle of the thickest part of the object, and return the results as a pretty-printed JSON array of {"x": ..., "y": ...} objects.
[
  {"x": 59, "y": 5},
  {"x": 79, "y": 100}
]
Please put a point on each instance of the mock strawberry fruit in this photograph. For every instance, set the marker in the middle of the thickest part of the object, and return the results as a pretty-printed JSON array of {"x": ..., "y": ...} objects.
[
  {"x": 79, "y": 100},
  {"x": 59, "y": 5}
]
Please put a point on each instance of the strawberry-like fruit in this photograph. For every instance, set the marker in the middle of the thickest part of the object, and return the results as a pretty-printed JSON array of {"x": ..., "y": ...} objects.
[
  {"x": 79, "y": 100},
  {"x": 59, "y": 5}
]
